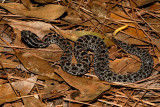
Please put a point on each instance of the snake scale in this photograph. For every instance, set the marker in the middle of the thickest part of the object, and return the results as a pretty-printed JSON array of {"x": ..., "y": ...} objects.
[{"x": 101, "y": 58}]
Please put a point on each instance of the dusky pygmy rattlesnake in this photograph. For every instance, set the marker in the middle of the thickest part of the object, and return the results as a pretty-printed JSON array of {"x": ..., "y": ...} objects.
[{"x": 99, "y": 48}]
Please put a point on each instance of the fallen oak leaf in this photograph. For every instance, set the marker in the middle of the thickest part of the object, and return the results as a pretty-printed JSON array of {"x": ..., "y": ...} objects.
[
  {"x": 48, "y": 12},
  {"x": 34, "y": 26},
  {"x": 37, "y": 65},
  {"x": 89, "y": 88}
]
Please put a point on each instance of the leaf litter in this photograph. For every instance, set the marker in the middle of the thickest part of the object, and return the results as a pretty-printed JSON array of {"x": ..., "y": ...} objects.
[{"x": 53, "y": 86}]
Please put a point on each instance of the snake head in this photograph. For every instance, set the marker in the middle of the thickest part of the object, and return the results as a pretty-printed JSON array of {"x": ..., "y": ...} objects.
[{"x": 32, "y": 40}]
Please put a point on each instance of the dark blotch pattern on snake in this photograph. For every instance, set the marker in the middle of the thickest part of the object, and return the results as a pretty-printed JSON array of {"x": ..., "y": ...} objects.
[{"x": 101, "y": 59}]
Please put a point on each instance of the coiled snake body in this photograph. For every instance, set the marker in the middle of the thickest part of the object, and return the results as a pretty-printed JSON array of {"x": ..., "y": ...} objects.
[{"x": 101, "y": 63}]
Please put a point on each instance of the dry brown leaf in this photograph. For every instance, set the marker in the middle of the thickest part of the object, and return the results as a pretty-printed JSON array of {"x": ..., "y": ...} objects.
[
  {"x": 24, "y": 87},
  {"x": 48, "y": 12},
  {"x": 124, "y": 65},
  {"x": 33, "y": 102},
  {"x": 37, "y": 65},
  {"x": 52, "y": 86},
  {"x": 89, "y": 88},
  {"x": 7, "y": 94},
  {"x": 33, "y": 26}
]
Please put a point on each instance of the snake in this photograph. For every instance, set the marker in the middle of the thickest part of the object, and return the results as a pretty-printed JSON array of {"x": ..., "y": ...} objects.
[{"x": 96, "y": 45}]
